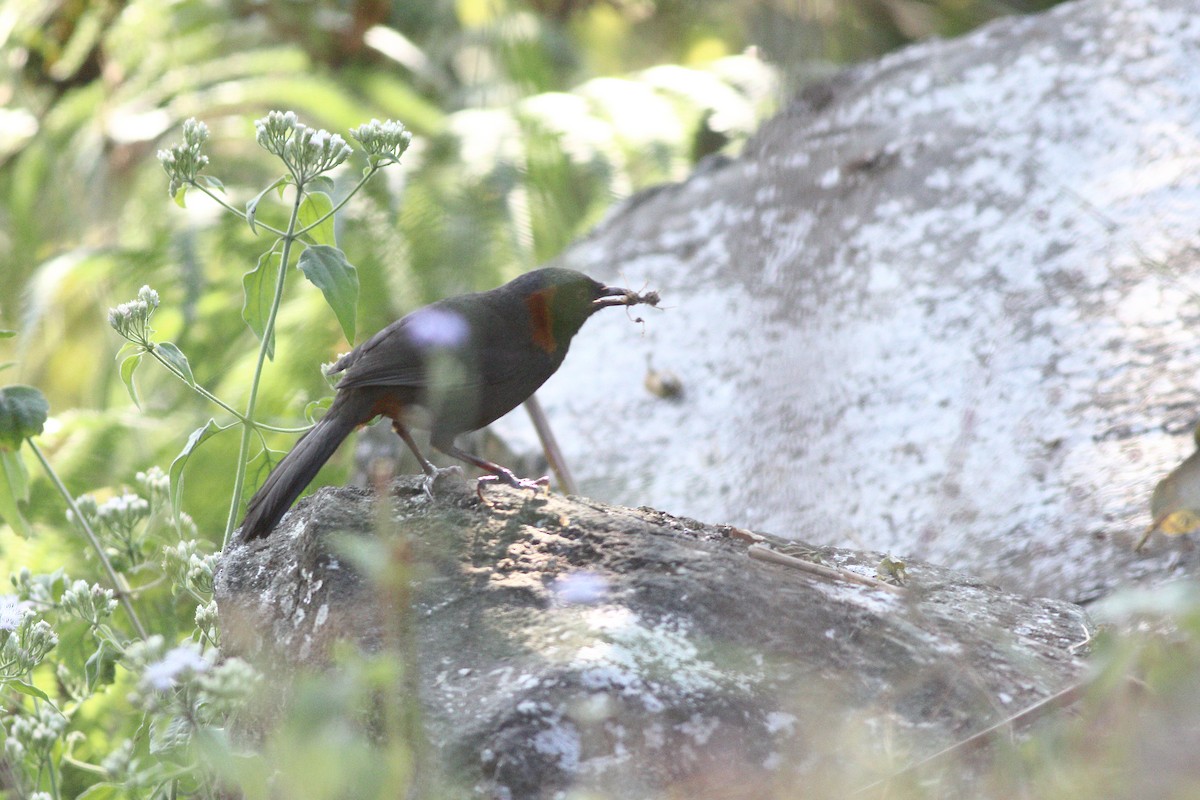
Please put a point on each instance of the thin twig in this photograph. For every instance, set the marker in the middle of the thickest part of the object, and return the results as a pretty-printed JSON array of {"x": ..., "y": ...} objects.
[
  {"x": 248, "y": 426},
  {"x": 114, "y": 577},
  {"x": 975, "y": 741},
  {"x": 558, "y": 464},
  {"x": 763, "y": 553}
]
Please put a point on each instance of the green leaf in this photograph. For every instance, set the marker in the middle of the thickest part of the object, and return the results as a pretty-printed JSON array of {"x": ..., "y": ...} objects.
[
  {"x": 28, "y": 688},
  {"x": 6, "y": 364},
  {"x": 100, "y": 666},
  {"x": 171, "y": 734},
  {"x": 252, "y": 209},
  {"x": 198, "y": 437},
  {"x": 14, "y": 488},
  {"x": 337, "y": 279},
  {"x": 178, "y": 361},
  {"x": 322, "y": 405},
  {"x": 12, "y": 470},
  {"x": 234, "y": 762},
  {"x": 103, "y": 791},
  {"x": 261, "y": 465},
  {"x": 23, "y": 411},
  {"x": 314, "y": 206},
  {"x": 258, "y": 285},
  {"x": 252, "y": 206},
  {"x": 321, "y": 183},
  {"x": 128, "y": 367},
  {"x": 212, "y": 183},
  {"x": 5, "y": 334},
  {"x": 180, "y": 196}
]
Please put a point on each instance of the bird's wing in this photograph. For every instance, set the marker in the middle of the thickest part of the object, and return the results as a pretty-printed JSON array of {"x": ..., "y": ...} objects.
[
  {"x": 389, "y": 358},
  {"x": 399, "y": 354}
]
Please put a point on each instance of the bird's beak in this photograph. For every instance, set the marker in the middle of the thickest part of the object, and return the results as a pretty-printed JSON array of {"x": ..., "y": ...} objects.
[{"x": 614, "y": 296}]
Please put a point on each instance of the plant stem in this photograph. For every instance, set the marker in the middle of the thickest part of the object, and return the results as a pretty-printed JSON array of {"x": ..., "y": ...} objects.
[
  {"x": 200, "y": 390},
  {"x": 554, "y": 454},
  {"x": 84, "y": 766},
  {"x": 114, "y": 577},
  {"x": 207, "y": 395},
  {"x": 363, "y": 182},
  {"x": 50, "y": 766},
  {"x": 219, "y": 201},
  {"x": 248, "y": 424}
]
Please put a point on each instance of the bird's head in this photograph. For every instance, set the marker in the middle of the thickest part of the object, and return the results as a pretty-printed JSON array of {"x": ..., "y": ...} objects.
[{"x": 560, "y": 300}]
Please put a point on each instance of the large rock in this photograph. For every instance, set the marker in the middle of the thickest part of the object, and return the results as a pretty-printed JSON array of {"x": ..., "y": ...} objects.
[
  {"x": 935, "y": 308},
  {"x": 566, "y": 643}
]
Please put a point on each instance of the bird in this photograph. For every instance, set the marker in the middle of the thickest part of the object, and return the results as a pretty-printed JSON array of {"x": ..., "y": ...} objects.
[{"x": 453, "y": 366}]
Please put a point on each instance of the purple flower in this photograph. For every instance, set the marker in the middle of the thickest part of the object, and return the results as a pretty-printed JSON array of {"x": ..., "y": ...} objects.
[
  {"x": 581, "y": 588},
  {"x": 11, "y": 612},
  {"x": 164, "y": 674},
  {"x": 436, "y": 327}
]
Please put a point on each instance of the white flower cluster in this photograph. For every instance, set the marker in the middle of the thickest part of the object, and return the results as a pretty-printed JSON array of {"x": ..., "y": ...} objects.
[
  {"x": 118, "y": 522},
  {"x": 188, "y": 568},
  {"x": 37, "y": 590},
  {"x": 183, "y": 162},
  {"x": 185, "y": 674},
  {"x": 156, "y": 485},
  {"x": 384, "y": 142},
  {"x": 228, "y": 686},
  {"x": 90, "y": 602},
  {"x": 12, "y": 610},
  {"x": 206, "y": 620},
  {"x": 177, "y": 664},
  {"x": 308, "y": 152},
  {"x": 24, "y": 640},
  {"x": 34, "y": 734},
  {"x": 275, "y": 130},
  {"x": 125, "y": 510},
  {"x": 132, "y": 319}
]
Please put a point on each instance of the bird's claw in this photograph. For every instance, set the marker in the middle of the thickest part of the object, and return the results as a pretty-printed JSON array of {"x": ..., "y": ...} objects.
[
  {"x": 506, "y": 477},
  {"x": 431, "y": 477}
]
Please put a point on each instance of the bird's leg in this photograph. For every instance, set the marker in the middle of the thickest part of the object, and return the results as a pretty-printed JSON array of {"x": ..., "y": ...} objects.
[
  {"x": 499, "y": 474},
  {"x": 432, "y": 473},
  {"x": 506, "y": 476}
]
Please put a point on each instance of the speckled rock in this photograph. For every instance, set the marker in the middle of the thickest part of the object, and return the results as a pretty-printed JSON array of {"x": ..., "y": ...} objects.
[
  {"x": 941, "y": 306},
  {"x": 564, "y": 643}
]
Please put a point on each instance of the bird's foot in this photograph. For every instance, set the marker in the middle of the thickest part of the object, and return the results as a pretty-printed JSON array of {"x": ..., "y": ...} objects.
[
  {"x": 433, "y": 474},
  {"x": 507, "y": 477}
]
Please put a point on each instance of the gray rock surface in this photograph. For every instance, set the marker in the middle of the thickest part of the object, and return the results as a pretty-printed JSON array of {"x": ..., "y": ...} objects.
[
  {"x": 941, "y": 306},
  {"x": 566, "y": 643}
]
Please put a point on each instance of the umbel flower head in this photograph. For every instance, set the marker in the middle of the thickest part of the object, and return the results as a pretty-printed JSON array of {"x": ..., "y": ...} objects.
[
  {"x": 189, "y": 568},
  {"x": 383, "y": 142},
  {"x": 177, "y": 664},
  {"x": 183, "y": 162},
  {"x": 90, "y": 602},
  {"x": 24, "y": 639},
  {"x": 275, "y": 130},
  {"x": 308, "y": 152},
  {"x": 132, "y": 319},
  {"x": 34, "y": 734}
]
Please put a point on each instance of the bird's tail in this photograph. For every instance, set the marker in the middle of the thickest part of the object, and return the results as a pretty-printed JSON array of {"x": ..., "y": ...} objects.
[{"x": 298, "y": 468}]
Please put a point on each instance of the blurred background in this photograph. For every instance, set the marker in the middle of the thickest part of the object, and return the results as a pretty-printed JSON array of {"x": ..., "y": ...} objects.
[{"x": 531, "y": 118}]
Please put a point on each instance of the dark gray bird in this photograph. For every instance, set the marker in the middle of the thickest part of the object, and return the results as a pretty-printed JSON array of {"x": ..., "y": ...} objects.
[{"x": 464, "y": 362}]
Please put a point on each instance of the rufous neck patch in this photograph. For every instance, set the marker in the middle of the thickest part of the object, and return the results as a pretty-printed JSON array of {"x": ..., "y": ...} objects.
[{"x": 542, "y": 318}]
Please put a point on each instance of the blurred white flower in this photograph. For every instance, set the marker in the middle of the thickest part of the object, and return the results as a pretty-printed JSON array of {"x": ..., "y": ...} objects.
[{"x": 580, "y": 588}]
